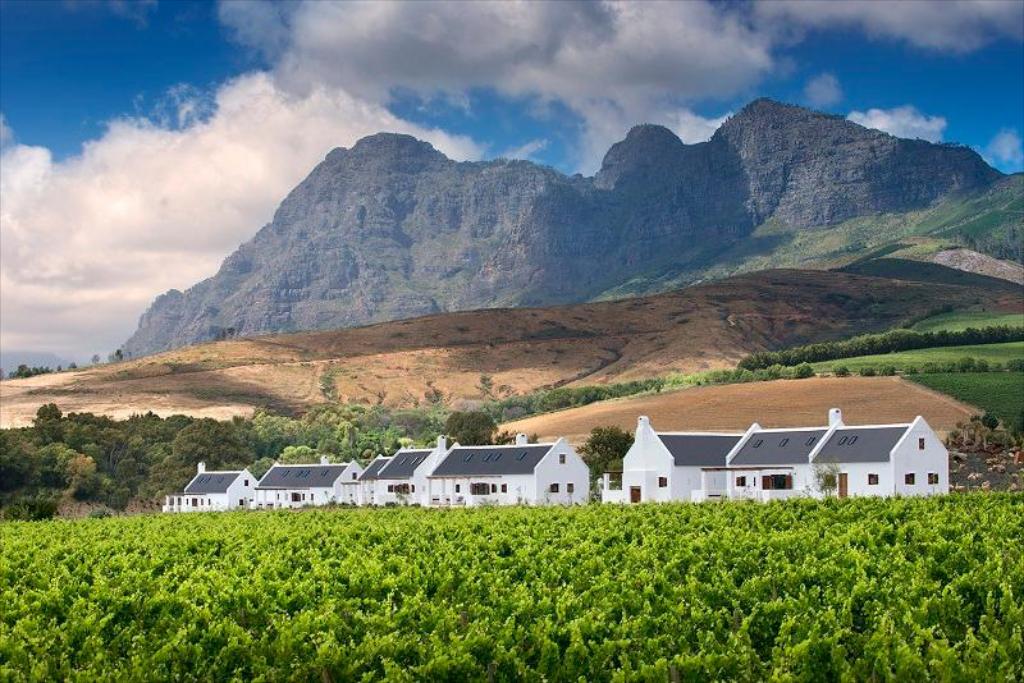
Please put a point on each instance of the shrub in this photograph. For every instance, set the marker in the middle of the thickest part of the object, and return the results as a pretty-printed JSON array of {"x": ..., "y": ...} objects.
[
  {"x": 1015, "y": 365},
  {"x": 887, "y": 370},
  {"x": 980, "y": 365},
  {"x": 990, "y": 420},
  {"x": 841, "y": 371},
  {"x": 965, "y": 364},
  {"x": 867, "y": 371},
  {"x": 803, "y": 371},
  {"x": 910, "y": 370}
]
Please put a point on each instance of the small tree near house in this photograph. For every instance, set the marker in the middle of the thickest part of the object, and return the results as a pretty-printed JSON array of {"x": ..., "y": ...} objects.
[{"x": 826, "y": 478}]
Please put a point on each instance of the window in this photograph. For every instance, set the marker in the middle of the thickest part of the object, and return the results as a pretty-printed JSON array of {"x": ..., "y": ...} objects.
[
  {"x": 757, "y": 444},
  {"x": 195, "y": 502},
  {"x": 504, "y": 488},
  {"x": 853, "y": 439},
  {"x": 908, "y": 478},
  {"x": 391, "y": 488},
  {"x": 570, "y": 487},
  {"x": 783, "y": 443},
  {"x": 400, "y": 488},
  {"x": 771, "y": 482},
  {"x": 920, "y": 444},
  {"x": 479, "y": 489},
  {"x": 561, "y": 458},
  {"x": 741, "y": 481},
  {"x": 458, "y": 488},
  {"x": 843, "y": 440},
  {"x": 412, "y": 488},
  {"x": 554, "y": 488},
  {"x": 810, "y": 441},
  {"x": 662, "y": 482},
  {"x": 241, "y": 502},
  {"x": 494, "y": 488},
  {"x": 933, "y": 477},
  {"x": 353, "y": 475},
  {"x": 179, "y": 501},
  {"x": 872, "y": 480},
  {"x": 245, "y": 482}
]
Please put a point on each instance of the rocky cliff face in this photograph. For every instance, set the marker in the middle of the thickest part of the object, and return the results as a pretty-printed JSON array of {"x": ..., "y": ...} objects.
[{"x": 391, "y": 228}]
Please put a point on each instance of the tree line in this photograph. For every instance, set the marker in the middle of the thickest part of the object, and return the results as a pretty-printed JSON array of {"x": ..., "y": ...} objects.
[{"x": 886, "y": 342}]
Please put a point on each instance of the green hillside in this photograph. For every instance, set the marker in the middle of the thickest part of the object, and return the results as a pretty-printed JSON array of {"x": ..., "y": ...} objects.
[
  {"x": 961, "y": 320},
  {"x": 992, "y": 353},
  {"x": 989, "y": 222}
]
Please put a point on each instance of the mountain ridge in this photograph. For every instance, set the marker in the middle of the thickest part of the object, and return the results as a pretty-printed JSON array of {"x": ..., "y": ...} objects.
[{"x": 391, "y": 228}]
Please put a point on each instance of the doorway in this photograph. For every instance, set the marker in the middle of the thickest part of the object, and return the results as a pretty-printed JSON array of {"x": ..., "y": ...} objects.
[
  {"x": 634, "y": 494},
  {"x": 844, "y": 485}
]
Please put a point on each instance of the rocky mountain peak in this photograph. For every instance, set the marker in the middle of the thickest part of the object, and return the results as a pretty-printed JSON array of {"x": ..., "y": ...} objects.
[{"x": 646, "y": 150}]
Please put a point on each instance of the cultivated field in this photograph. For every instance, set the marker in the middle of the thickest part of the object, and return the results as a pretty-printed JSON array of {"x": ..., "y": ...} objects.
[
  {"x": 462, "y": 358},
  {"x": 961, "y": 320},
  {"x": 1001, "y": 393},
  {"x": 992, "y": 353},
  {"x": 868, "y": 589},
  {"x": 782, "y": 403}
]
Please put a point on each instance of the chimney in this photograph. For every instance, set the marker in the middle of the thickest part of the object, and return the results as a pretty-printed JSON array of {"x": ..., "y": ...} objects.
[
  {"x": 201, "y": 467},
  {"x": 323, "y": 460},
  {"x": 835, "y": 417},
  {"x": 643, "y": 422},
  {"x": 522, "y": 439},
  {"x": 442, "y": 443}
]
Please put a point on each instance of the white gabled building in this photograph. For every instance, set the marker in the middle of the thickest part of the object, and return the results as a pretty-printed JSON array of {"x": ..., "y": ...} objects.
[
  {"x": 213, "y": 491},
  {"x": 403, "y": 479},
  {"x": 368, "y": 494},
  {"x": 772, "y": 464},
  {"x": 665, "y": 466},
  {"x": 520, "y": 473},
  {"x": 294, "y": 486}
]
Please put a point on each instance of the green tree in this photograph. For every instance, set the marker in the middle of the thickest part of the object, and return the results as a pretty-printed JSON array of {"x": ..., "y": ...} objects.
[
  {"x": 604, "y": 449},
  {"x": 209, "y": 441},
  {"x": 471, "y": 428}
]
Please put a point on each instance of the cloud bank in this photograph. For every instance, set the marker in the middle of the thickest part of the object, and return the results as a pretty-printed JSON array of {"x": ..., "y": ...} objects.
[{"x": 903, "y": 122}]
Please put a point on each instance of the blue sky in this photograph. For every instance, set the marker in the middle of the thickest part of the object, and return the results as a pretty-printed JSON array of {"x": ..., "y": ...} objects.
[{"x": 143, "y": 141}]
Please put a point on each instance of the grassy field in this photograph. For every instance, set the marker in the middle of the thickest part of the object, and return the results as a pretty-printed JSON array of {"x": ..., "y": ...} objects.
[
  {"x": 868, "y": 589},
  {"x": 961, "y": 320},
  {"x": 993, "y": 353},
  {"x": 1000, "y": 393}
]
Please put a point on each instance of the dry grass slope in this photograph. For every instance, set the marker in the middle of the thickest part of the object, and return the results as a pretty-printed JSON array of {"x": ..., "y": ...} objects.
[{"x": 707, "y": 326}]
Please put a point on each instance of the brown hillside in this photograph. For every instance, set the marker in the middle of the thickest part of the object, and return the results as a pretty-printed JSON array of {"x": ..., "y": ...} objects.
[
  {"x": 401, "y": 363},
  {"x": 782, "y": 403}
]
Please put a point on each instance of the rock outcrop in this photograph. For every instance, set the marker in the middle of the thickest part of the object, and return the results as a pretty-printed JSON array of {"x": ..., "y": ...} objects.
[{"x": 391, "y": 228}]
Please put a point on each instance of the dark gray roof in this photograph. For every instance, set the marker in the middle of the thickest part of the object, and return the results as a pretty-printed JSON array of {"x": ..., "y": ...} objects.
[
  {"x": 861, "y": 444},
  {"x": 372, "y": 470},
  {"x": 778, "y": 448},
  {"x": 211, "y": 482},
  {"x": 403, "y": 464},
  {"x": 301, "y": 476},
  {"x": 492, "y": 460},
  {"x": 701, "y": 450}
]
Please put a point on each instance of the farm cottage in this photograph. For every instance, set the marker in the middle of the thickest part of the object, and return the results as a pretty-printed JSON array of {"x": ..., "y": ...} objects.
[
  {"x": 403, "y": 479},
  {"x": 213, "y": 491},
  {"x": 536, "y": 474},
  {"x": 292, "y": 486},
  {"x": 771, "y": 464}
]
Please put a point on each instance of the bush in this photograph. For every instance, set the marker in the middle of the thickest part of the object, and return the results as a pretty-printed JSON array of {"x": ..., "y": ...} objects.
[
  {"x": 966, "y": 364},
  {"x": 841, "y": 371},
  {"x": 1015, "y": 365},
  {"x": 887, "y": 370},
  {"x": 910, "y": 370},
  {"x": 990, "y": 420},
  {"x": 803, "y": 371},
  {"x": 867, "y": 371},
  {"x": 932, "y": 368},
  {"x": 100, "y": 513},
  {"x": 981, "y": 365},
  {"x": 32, "y": 508}
]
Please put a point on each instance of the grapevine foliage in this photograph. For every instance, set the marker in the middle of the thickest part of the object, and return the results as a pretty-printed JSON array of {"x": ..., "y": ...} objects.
[{"x": 870, "y": 589}]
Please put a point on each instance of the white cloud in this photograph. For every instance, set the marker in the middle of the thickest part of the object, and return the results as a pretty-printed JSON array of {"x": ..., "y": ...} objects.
[
  {"x": 89, "y": 241},
  {"x": 527, "y": 150},
  {"x": 692, "y": 128},
  {"x": 1005, "y": 150},
  {"x": 945, "y": 25},
  {"x": 614, "y": 64},
  {"x": 6, "y": 134},
  {"x": 823, "y": 90},
  {"x": 903, "y": 122}
]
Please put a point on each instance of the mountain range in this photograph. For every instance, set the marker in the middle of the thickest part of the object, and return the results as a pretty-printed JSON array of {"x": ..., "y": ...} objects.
[{"x": 392, "y": 229}]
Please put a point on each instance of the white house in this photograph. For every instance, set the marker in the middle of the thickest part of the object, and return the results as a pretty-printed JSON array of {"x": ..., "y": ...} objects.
[
  {"x": 664, "y": 466},
  {"x": 368, "y": 481},
  {"x": 293, "y": 486},
  {"x": 535, "y": 474},
  {"x": 772, "y": 464},
  {"x": 402, "y": 480},
  {"x": 209, "y": 491}
]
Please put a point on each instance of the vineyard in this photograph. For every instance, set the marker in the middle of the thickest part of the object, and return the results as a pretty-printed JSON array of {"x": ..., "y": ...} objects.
[{"x": 866, "y": 589}]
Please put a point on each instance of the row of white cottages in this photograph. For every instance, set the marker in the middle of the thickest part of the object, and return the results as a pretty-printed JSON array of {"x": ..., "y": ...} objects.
[
  {"x": 443, "y": 476},
  {"x": 906, "y": 459},
  {"x": 760, "y": 464}
]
